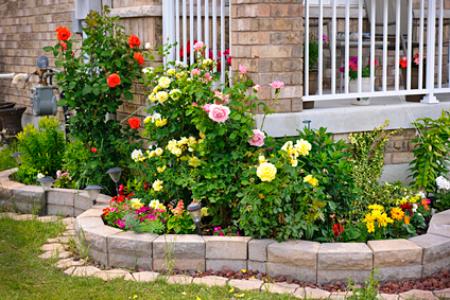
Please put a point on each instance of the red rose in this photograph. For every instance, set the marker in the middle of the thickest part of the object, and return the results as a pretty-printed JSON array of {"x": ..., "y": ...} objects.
[
  {"x": 139, "y": 58},
  {"x": 63, "y": 45},
  {"x": 134, "y": 123},
  {"x": 338, "y": 229},
  {"x": 403, "y": 62},
  {"x": 134, "y": 41},
  {"x": 94, "y": 150},
  {"x": 63, "y": 33},
  {"x": 113, "y": 80}
]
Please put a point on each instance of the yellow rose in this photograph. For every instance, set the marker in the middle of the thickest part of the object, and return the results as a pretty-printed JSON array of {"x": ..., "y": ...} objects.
[
  {"x": 266, "y": 171},
  {"x": 194, "y": 161},
  {"x": 162, "y": 96},
  {"x": 311, "y": 180},
  {"x": 147, "y": 119},
  {"x": 164, "y": 82},
  {"x": 136, "y": 203},
  {"x": 171, "y": 72},
  {"x": 302, "y": 147},
  {"x": 175, "y": 94},
  {"x": 261, "y": 159},
  {"x": 156, "y": 89},
  {"x": 152, "y": 97},
  {"x": 160, "y": 122},
  {"x": 161, "y": 169},
  {"x": 294, "y": 162},
  {"x": 154, "y": 204},
  {"x": 157, "y": 185},
  {"x": 159, "y": 151}
]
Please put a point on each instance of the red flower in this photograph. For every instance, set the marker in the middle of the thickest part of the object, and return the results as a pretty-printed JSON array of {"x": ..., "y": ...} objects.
[
  {"x": 403, "y": 62},
  {"x": 63, "y": 33},
  {"x": 63, "y": 45},
  {"x": 338, "y": 229},
  {"x": 94, "y": 150},
  {"x": 138, "y": 57},
  {"x": 134, "y": 41},
  {"x": 113, "y": 80},
  {"x": 134, "y": 123}
]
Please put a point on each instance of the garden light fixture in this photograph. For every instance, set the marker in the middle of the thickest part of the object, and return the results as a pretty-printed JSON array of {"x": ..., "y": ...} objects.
[
  {"x": 115, "y": 174},
  {"x": 93, "y": 192},
  {"x": 16, "y": 156},
  {"x": 307, "y": 123},
  {"x": 195, "y": 210},
  {"x": 46, "y": 182}
]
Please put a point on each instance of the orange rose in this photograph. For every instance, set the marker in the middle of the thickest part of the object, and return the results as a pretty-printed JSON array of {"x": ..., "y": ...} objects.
[
  {"x": 63, "y": 33},
  {"x": 139, "y": 58},
  {"x": 113, "y": 80},
  {"x": 133, "y": 41}
]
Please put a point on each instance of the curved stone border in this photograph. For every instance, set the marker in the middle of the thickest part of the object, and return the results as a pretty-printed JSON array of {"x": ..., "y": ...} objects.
[
  {"x": 57, "y": 248},
  {"x": 33, "y": 199},
  {"x": 307, "y": 261},
  {"x": 417, "y": 257}
]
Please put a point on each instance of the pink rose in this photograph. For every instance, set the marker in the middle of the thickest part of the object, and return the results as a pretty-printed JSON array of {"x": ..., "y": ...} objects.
[
  {"x": 206, "y": 107},
  {"x": 195, "y": 72},
  {"x": 257, "y": 139},
  {"x": 208, "y": 77},
  {"x": 218, "y": 113},
  {"x": 223, "y": 99},
  {"x": 277, "y": 84},
  {"x": 198, "y": 46},
  {"x": 242, "y": 70},
  {"x": 256, "y": 87}
]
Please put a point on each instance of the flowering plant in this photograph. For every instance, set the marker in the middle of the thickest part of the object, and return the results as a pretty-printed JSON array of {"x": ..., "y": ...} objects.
[
  {"x": 353, "y": 68},
  {"x": 404, "y": 61},
  {"x": 442, "y": 195}
]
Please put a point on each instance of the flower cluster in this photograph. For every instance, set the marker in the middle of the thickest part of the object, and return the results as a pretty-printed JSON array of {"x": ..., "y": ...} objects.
[
  {"x": 301, "y": 148},
  {"x": 178, "y": 147},
  {"x": 376, "y": 218}
]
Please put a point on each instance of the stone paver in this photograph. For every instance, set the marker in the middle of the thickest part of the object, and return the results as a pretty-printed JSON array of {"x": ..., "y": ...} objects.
[
  {"x": 25, "y": 217},
  {"x": 226, "y": 247},
  {"x": 69, "y": 262},
  {"x": 82, "y": 271},
  {"x": 180, "y": 279},
  {"x": 280, "y": 287},
  {"x": 211, "y": 280},
  {"x": 340, "y": 295},
  {"x": 300, "y": 293},
  {"x": 55, "y": 254},
  {"x": 111, "y": 274},
  {"x": 387, "y": 296},
  {"x": 246, "y": 285},
  {"x": 145, "y": 276},
  {"x": 52, "y": 247},
  {"x": 417, "y": 295},
  {"x": 313, "y": 293},
  {"x": 442, "y": 294},
  {"x": 47, "y": 219}
]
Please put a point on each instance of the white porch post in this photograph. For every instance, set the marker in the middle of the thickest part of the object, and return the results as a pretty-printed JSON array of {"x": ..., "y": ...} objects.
[{"x": 430, "y": 98}]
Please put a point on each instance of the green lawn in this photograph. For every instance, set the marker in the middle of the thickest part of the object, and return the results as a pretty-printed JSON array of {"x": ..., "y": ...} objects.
[{"x": 24, "y": 276}]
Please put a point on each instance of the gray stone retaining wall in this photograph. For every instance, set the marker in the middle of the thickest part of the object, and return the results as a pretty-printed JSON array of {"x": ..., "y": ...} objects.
[{"x": 417, "y": 257}]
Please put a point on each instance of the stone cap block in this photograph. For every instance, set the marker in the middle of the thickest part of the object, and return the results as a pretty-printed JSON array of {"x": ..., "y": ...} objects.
[
  {"x": 345, "y": 256},
  {"x": 180, "y": 245},
  {"x": 399, "y": 252},
  {"x": 434, "y": 247},
  {"x": 129, "y": 241},
  {"x": 226, "y": 247},
  {"x": 295, "y": 253},
  {"x": 64, "y": 197},
  {"x": 257, "y": 249}
]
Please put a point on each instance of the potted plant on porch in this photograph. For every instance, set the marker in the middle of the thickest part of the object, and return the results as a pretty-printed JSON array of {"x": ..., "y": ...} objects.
[
  {"x": 365, "y": 80},
  {"x": 414, "y": 76},
  {"x": 313, "y": 68}
]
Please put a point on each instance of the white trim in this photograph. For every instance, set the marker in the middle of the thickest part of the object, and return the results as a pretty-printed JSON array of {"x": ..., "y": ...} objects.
[{"x": 350, "y": 119}]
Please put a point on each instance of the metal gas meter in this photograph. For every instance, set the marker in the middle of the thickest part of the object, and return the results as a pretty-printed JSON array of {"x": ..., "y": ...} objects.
[{"x": 43, "y": 98}]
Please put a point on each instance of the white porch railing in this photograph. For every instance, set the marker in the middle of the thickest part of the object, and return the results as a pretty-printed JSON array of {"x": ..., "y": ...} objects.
[
  {"x": 390, "y": 28},
  {"x": 208, "y": 22}
]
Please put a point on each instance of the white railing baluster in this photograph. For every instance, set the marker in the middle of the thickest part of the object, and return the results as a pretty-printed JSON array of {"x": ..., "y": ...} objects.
[
  {"x": 230, "y": 71},
  {"x": 333, "y": 49},
  {"x": 177, "y": 30},
  {"x": 320, "y": 54},
  {"x": 408, "y": 71},
  {"x": 347, "y": 43},
  {"x": 440, "y": 41},
  {"x": 199, "y": 20},
  {"x": 306, "y": 83},
  {"x": 207, "y": 28},
  {"x": 397, "y": 47},
  {"x": 360, "y": 41},
  {"x": 165, "y": 27},
  {"x": 191, "y": 31},
  {"x": 385, "y": 43},
  {"x": 184, "y": 45},
  {"x": 431, "y": 39},
  {"x": 214, "y": 29},
  {"x": 372, "y": 46},
  {"x": 421, "y": 34},
  {"x": 222, "y": 41}
]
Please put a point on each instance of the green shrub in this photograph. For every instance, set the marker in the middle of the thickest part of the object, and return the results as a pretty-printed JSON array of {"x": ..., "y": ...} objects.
[
  {"x": 41, "y": 149},
  {"x": 431, "y": 151},
  {"x": 6, "y": 161}
]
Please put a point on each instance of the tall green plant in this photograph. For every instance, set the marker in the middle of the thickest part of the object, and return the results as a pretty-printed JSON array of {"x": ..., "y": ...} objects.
[
  {"x": 431, "y": 151},
  {"x": 41, "y": 149},
  {"x": 94, "y": 80}
]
